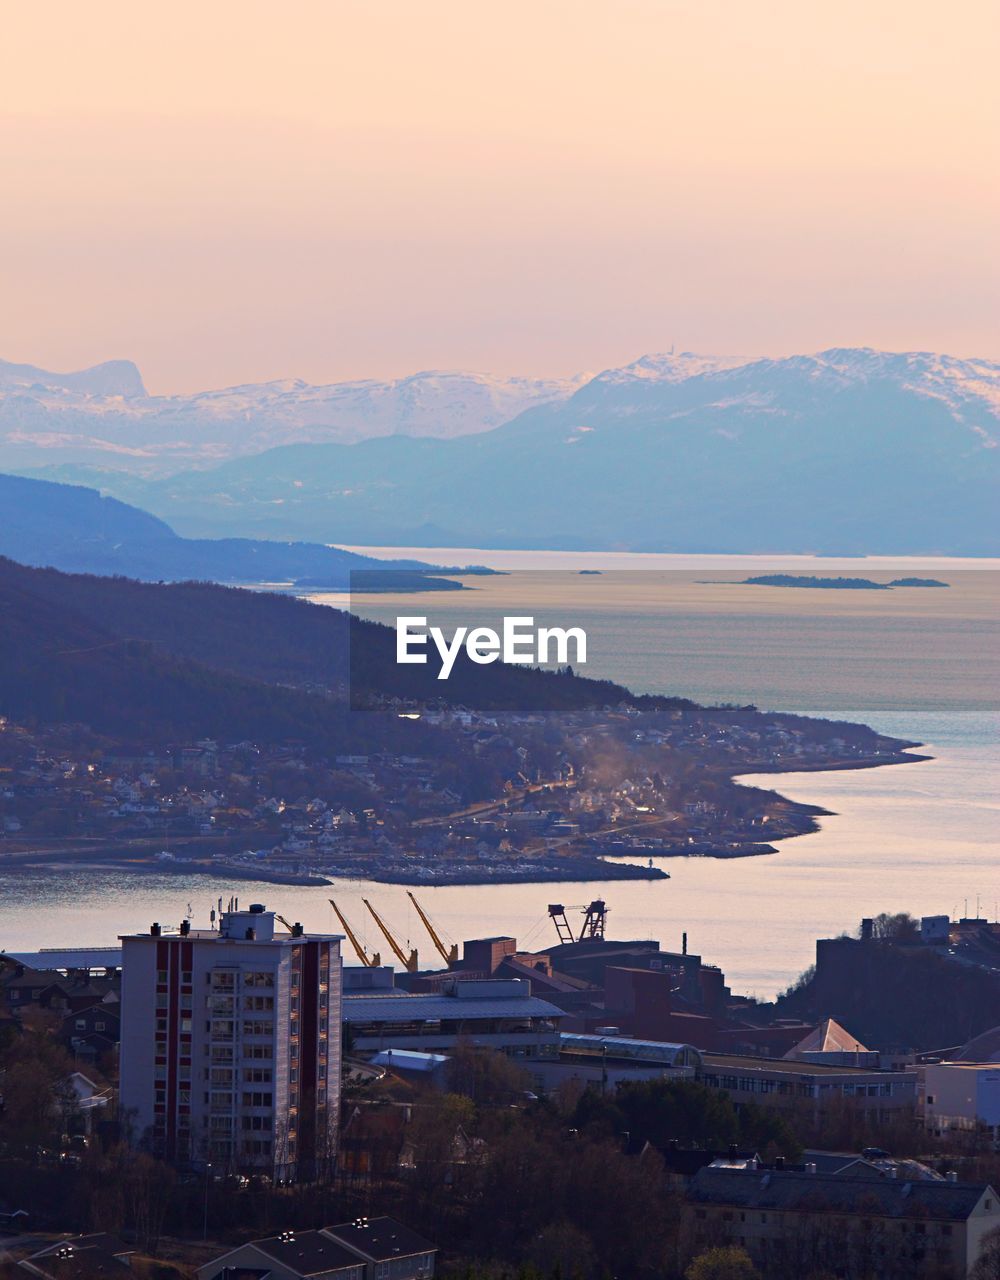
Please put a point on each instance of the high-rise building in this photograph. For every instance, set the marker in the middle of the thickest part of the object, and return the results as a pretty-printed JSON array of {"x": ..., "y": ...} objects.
[{"x": 231, "y": 1044}]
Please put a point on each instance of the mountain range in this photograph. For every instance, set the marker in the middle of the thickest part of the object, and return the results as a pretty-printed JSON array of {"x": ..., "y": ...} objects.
[
  {"x": 105, "y": 416},
  {"x": 847, "y": 451}
]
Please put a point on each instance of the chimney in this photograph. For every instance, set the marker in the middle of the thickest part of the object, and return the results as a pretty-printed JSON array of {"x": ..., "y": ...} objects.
[
  {"x": 185, "y": 928},
  {"x": 734, "y": 1151},
  {"x": 867, "y": 929},
  {"x": 779, "y": 1163},
  {"x": 951, "y": 1175},
  {"x": 811, "y": 1167},
  {"x": 154, "y": 929},
  {"x": 297, "y": 930}
]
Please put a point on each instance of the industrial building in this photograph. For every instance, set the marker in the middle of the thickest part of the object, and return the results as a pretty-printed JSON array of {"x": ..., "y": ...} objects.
[{"x": 499, "y": 1014}]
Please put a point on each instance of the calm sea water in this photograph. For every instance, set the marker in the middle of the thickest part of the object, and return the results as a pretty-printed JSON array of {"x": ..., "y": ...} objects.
[{"x": 921, "y": 837}]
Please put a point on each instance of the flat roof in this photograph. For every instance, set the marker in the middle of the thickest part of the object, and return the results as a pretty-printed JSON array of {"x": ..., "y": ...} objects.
[
  {"x": 400, "y": 1007},
  {"x": 791, "y": 1066},
  {"x": 68, "y": 958},
  {"x": 408, "y": 1060}
]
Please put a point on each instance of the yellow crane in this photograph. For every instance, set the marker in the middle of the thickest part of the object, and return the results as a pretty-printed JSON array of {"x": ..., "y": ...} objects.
[
  {"x": 448, "y": 954},
  {"x": 369, "y": 961},
  {"x": 409, "y": 963}
]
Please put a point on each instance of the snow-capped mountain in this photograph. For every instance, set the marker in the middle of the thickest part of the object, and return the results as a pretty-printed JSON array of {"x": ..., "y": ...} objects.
[
  {"x": 849, "y": 450},
  {"x": 846, "y": 451},
  {"x": 104, "y": 417}
]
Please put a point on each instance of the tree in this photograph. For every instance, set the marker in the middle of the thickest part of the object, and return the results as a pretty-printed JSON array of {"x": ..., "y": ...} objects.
[
  {"x": 726, "y": 1263},
  {"x": 563, "y": 1249},
  {"x": 484, "y": 1075},
  {"x": 987, "y": 1265},
  {"x": 35, "y": 1070},
  {"x": 898, "y": 927}
]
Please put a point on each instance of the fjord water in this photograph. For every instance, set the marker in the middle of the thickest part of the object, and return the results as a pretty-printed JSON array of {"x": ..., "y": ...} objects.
[{"x": 922, "y": 664}]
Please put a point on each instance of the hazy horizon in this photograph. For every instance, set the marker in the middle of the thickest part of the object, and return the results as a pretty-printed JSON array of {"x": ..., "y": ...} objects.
[{"x": 347, "y": 191}]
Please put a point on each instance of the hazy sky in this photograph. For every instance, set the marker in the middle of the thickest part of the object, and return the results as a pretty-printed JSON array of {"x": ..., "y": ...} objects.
[{"x": 234, "y": 190}]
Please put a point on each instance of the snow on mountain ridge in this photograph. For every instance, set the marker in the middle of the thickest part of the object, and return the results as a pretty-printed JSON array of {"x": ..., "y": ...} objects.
[
  {"x": 93, "y": 414},
  {"x": 37, "y": 409}
]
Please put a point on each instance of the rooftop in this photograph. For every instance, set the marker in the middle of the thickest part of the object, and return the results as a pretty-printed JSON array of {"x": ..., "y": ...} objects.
[
  {"x": 408, "y": 1060},
  {"x": 310, "y": 1253},
  {"x": 788, "y": 1066},
  {"x": 833, "y": 1193},
  {"x": 981, "y": 1049},
  {"x": 54, "y": 958},
  {"x": 401, "y": 1007},
  {"x": 828, "y": 1037},
  {"x": 381, "y": 1239}
]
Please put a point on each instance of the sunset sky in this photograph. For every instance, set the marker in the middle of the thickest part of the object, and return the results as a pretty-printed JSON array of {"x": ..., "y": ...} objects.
[{"x": 239, "y": 191}]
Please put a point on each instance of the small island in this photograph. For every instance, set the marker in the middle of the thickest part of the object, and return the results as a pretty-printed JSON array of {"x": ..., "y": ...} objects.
[{"x": 836, "y": 584}]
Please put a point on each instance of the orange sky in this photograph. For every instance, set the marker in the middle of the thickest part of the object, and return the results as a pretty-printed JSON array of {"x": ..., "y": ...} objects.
[{"x": 237, "y": 191}]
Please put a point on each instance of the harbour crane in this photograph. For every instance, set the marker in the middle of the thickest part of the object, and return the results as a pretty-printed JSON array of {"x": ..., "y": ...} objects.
[
  {"x": 594, "y": 919},
  {"x": 369, "y": 961},
  {"x": 409, "y": 963},
  {"x": 448, "y": 954}
]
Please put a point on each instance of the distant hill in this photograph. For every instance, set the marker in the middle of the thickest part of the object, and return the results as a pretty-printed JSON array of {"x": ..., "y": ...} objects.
[
  {"x": 844, "y": 452},
  {"x": 77, "y": 530},
  {"x": 149, "y": 662},
  {"x": 105, "y": 417}
]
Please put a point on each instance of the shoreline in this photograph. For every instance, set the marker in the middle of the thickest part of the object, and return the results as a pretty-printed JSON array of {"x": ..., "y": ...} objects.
[{"x": 598, "y": 868}]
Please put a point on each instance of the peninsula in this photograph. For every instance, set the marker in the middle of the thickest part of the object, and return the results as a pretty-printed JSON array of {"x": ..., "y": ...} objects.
[{"x": 194, "y": 729}]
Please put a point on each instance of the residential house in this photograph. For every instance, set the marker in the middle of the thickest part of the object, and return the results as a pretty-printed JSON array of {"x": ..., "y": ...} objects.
[
  {"x": 366, "y": 1249},
  {"x": 292, "y": 1255},
  {"x": 391, "y": 1251},
  {"x": 89, "y": 1257},
  {"x": 794, "y": 1223}
]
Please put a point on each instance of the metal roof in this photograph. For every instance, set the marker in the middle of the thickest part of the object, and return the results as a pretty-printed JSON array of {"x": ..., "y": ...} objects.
[
  {"x": 625, "y": 1047},
  {"x": 408, "y": 1060},
  {"x": 835, "y": 1193},
  {"x": 381, "y": 1239},
  {"x": 433, "y": 1008},
  {"x": 69, "y": 958},
  {"x": 308, "y": 1253}
]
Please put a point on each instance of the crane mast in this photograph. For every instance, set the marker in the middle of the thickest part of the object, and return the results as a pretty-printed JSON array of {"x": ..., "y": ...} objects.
[
  {"x": 448, "y": 954},
  {"x": 369, "y": 961},
  {"x": 409, "y": 962}
]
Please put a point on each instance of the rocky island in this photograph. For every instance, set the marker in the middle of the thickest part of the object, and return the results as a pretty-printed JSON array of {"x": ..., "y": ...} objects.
[{"x": 836, "y": 584}]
